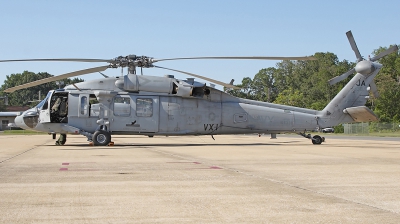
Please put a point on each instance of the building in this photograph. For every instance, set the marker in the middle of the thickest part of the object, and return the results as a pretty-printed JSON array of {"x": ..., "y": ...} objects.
[{"x": 8, "y": 116}]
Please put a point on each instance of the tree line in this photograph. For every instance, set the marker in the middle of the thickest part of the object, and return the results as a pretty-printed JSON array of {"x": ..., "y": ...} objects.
[
  {"x": 29, "y": 96},
  {"x": 305, "y": 84}
]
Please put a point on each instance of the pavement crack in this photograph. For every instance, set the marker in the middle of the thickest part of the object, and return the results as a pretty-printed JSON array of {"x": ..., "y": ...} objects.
[
  {"x": 12, "y": 157},
  {"x": 311, "y": 191},
  {"x": 275, "y": 181}
]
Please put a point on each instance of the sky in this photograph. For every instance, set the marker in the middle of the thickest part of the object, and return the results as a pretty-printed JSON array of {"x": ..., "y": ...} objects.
[{"x": 183, "y": 28}]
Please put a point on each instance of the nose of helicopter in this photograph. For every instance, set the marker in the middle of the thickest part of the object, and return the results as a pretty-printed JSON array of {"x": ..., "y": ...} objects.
[{"x": 19, "y": 121}]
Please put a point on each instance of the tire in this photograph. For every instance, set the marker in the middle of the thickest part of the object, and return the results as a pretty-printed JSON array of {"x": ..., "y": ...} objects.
[
  {"x": 101, "y": 138},
  {"x": 317, "y": 140}
]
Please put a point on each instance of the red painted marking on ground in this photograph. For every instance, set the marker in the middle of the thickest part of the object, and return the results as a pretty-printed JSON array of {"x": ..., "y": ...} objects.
[
  {"x": 215, "y": 167},
  {"x": 185, "y": 162},
  {"x": 65, "y": 164},
  {"x": 63, "y": 169}
]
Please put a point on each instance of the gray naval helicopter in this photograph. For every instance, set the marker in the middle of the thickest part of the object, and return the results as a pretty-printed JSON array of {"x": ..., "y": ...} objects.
[{"x": 150, "y": 105}]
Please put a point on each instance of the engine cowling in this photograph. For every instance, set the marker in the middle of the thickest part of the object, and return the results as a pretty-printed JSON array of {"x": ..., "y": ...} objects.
[
  {"x": 167, "y": 84},
  {"x": 136, "y": 83}
]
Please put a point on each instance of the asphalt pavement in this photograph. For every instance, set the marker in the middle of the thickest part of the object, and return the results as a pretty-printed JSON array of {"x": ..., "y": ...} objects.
[{"x": 195, "y": 179}]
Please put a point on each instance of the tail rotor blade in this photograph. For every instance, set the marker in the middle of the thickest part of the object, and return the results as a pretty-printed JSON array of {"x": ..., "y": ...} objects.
[
  {"x": 384, "y": 53},
  {"x": 354, "y": 45},
  {"x": 374, "y": 89},
  {"x": 341, "y": 77}
]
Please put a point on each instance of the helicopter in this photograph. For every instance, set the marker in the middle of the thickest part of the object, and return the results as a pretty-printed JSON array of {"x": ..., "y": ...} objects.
[{"x": 151, "y": 105}]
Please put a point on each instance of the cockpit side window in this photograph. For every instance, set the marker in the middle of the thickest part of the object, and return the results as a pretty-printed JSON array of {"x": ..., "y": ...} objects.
[{"x": 44, "y": 104}]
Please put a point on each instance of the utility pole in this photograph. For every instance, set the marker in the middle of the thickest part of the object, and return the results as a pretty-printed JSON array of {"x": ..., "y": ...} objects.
[{"x": 5, "y": 99}]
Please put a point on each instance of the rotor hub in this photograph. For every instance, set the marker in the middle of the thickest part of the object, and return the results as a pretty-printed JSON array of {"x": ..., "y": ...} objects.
[
  {"x": 132, "y": 61},
  {"x": 365, "y": 67}
]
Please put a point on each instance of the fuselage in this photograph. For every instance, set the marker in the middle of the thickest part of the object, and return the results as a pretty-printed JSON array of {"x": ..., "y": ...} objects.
[{"x": 149, "y": 113}]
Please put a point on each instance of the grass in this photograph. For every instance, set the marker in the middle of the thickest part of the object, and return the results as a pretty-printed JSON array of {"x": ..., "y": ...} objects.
[{"x": 376, "y": 134}]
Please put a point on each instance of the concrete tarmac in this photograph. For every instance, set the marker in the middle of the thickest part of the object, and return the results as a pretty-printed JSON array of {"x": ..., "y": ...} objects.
[{"x": 194, "y": 179}]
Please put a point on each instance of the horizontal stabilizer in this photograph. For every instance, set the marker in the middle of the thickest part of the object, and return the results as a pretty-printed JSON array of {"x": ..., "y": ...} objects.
[{"x": 361, "y": 114}]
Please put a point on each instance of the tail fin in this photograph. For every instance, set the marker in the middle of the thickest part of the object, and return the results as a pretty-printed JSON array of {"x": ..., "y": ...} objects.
[
  {"x": 348, "y": 104},
  {"x": 354, "y": 95}
]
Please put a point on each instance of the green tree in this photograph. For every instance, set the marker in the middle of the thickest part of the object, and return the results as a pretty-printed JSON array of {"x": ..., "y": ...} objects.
[
  {"x": 291, "y": 97},
  {"x": 310, "y": 79},
  {"x": 2, "y": 106},
  {"x": 23, "y": 96},
  {"x": 245, "y": 91},
  {"x": 388, "y": 83},
  {"x": 387, "y": 105},
  {"x": 305, "y": 84},
  {"x": 263, "y": 85}
]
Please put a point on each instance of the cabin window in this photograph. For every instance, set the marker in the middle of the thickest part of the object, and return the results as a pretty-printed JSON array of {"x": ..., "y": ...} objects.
[
  {"x": 144, "y": 107},
  {"x": 122, "y": 106},
  {"x": 84, "y": 105}
]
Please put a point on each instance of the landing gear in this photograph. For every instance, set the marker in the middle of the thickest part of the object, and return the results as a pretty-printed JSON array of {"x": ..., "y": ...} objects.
[
  {"x": 62, "y": 139},
  {"x": 101, "y": 138},
  {"x": 316, "y": 139}
]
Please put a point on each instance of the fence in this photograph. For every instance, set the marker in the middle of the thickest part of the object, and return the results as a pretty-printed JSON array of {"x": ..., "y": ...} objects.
[{"x": 370, "y": 127}]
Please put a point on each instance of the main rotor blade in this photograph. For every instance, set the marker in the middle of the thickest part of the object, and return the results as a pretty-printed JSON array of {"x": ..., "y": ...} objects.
[
  {"x": 354, "y": 45},
  {"x": 55, "y": 78},
  {"x": 341, "y": 77},
  {"x": 384, "y": 53},
  {"x": 248, "y": 58},
  {"x": 202, "y": 77},
  {"x": 60, "y": 59},
  {"x": 374, "y": 89}
]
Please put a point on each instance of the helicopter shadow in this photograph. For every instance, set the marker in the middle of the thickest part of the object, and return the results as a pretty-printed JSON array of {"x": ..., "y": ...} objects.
[{"x": 156, "y": 145}]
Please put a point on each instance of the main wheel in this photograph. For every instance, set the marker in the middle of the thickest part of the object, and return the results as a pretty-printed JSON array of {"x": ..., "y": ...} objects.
[
  {"x": 101, "y": 138},
  {"x": 316, "y": 140}
]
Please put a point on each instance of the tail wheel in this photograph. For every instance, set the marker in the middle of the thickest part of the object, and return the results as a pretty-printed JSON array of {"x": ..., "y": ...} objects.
[
  {"x": 101, "y": 138},
  {"x": 316, "y": 140}
]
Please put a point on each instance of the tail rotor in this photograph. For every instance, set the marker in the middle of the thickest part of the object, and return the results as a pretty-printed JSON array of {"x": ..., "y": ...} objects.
[{"x": 364, "y": 67}]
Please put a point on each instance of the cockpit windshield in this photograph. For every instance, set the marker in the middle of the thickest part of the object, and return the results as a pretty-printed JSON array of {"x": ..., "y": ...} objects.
[{"x": 43, "y": 102}]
